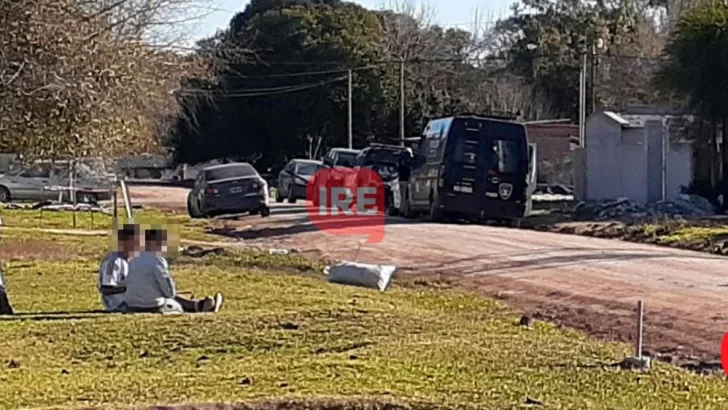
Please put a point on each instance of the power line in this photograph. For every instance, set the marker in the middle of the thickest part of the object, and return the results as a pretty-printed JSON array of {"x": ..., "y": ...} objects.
[
  {"x": 396, "y": 61},
  {"x": 345, "y": 68},
  {"x": 307, "y": 73},
  {"x": 260, "y": 92}
]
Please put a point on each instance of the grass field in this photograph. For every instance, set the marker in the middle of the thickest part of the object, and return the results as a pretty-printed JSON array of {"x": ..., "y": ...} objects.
[{"x": 285, "y": 334}]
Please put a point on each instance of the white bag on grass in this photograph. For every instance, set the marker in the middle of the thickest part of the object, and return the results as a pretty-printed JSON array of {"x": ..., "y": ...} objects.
[{"x": 361, "y": 274}]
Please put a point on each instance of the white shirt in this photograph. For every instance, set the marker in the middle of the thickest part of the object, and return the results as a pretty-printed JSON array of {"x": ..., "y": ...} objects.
[
  {"x": 149, "y": 283},
  {"x": 114, "y": 270}
]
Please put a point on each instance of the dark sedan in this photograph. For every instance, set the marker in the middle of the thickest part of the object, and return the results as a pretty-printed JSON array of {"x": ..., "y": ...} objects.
[
  {"x": 228, "y": 189},
  {"x": 293, "y": 179}
]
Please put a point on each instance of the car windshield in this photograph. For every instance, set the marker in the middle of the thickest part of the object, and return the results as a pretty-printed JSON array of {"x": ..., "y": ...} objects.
[
  {"x": 307, "y": 168},
  {"x": 346, "y": 159},
  {"x": 230, "y": 171},
  {"x": 380, "y": 157}
]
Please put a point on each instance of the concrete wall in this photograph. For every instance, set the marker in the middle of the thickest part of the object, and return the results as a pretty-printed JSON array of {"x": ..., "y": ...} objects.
[
  {"x": 614, "y": 169},
  {"x": 679, "y": 169},
  {"x": 654, "y": 130},
  {"x": 627, "y": 162}
]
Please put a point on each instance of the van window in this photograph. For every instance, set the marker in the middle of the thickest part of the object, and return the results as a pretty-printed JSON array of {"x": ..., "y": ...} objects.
[
  {"x": 505, "y": 157},
  {"x": 466, "y": 152}
]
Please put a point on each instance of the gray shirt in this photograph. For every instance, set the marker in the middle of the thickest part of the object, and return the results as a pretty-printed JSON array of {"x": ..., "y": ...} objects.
[
  {"x": 149, "y": 282},
  {"x": 114, "y": 269}
]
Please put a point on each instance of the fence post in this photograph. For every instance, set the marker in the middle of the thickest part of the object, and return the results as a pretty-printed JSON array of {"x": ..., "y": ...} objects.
[{"x": 638, "y": 341}]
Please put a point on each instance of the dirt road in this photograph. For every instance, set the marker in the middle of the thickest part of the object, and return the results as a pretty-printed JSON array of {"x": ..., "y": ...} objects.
[{"x": 585, "y": 283}]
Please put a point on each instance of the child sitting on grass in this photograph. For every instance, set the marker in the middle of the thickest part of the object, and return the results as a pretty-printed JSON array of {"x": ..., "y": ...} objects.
[
  {"x": 150, "y": 287},
  {"x": 115, "y": 268},
  {"x": 5, "y": 307}
]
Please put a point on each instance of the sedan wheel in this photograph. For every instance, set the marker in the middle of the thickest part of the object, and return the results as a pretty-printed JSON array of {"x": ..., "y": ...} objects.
[{"x": 4, "y": 195}]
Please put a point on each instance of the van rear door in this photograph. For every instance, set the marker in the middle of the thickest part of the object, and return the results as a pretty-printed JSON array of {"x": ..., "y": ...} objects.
[
  {"x": 464, "y": 164},
  {"x": 507, "y": 162}
]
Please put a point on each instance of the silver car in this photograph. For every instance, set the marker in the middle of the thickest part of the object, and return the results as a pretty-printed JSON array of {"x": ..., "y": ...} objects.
[
  {"x": 42, "y": 182},
  {"x": 228, "y": 189}
]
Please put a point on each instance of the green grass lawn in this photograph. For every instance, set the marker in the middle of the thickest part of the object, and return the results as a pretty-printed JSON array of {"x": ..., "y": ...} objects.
[
  {"x": 284, "y": 333},
  {"x": 177, "y": 223}
]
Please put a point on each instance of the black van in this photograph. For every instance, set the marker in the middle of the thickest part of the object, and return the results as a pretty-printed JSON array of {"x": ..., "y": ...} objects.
[{"x": 472, "y": 167}]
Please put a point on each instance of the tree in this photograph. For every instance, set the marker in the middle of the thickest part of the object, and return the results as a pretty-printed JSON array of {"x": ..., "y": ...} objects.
[
  {"x": 695, "y": 67},
  {"x": 271, "y": 103},
  {"x": 545, "y": 41},
  {"x": 72, "y": 87}
]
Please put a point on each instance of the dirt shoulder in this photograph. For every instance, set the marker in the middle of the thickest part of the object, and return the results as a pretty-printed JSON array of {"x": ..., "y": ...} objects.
[{"x": 701, "y": 234}]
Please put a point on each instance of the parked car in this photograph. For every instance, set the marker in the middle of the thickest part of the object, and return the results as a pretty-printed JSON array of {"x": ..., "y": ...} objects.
[
  {"x": 45, "y": 181},
  {"x": 228, "y": 189},
  {"x": 342, "y": 162},
  {"x": 293, "y": 179},
  {"x": 392, "y": 163}
]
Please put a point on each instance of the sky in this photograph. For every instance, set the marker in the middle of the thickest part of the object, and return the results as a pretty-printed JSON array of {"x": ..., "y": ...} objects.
[{"x": 448, "y": 13}]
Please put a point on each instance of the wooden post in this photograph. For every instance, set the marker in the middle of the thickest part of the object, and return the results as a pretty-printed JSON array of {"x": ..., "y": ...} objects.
[
  {"x": 638, "y": 341},
  {"x": 116, "y": 206},
  {"x": 72, "y": 191}
]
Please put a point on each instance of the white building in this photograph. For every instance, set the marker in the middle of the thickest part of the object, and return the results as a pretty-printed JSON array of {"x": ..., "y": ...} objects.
[{"x": 643, "y": 157}]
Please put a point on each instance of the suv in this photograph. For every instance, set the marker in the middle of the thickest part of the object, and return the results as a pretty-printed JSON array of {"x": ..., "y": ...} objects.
[
  {"x": 393, "y": 165},
  {"x": 343, "y": 159}
]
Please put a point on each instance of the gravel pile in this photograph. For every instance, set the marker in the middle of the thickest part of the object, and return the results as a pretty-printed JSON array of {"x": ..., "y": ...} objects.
[{"x": 684, "y": 206}]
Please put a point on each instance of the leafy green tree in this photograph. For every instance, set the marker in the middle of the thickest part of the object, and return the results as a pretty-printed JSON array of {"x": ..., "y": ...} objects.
[
  {"x": 696, "y": 66},
  {"x": 545, "y": 41},
  {"x": 289, "y": 37}
]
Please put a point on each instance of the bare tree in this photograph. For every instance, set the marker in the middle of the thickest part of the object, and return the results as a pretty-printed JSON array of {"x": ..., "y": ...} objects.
[
  {"x": 157, "y": 22},
  {"x": 72, "y": 87}
]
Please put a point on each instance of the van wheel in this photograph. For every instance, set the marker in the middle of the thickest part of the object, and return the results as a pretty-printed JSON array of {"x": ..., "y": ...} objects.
[
  {"x": 436, "y": 214},
  {"x": 191, "y": 209},
  {"x": 291, "y": 198},
  {"x": 406, "y": 207},
  {"x": 279, "y": 198}
]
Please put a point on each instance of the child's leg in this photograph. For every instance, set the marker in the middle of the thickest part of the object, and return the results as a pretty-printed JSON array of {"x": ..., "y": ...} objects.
[{"x": 196, "y": 306}]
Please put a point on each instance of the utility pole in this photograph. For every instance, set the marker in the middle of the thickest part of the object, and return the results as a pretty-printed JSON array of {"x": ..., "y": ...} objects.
[
  {"x": 582, "y": 100},
  {"x": 401, "y": 102},
  {"x": 351, "y": 128},
  {"x": 594, "y": 79}
]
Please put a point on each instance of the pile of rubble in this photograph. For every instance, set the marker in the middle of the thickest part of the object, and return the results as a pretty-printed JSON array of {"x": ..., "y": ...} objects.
[{"x": 683, "y": 206}]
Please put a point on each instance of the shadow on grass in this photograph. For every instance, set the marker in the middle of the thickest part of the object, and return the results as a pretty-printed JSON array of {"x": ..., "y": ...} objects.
[
  {"x": 58, "y": 315},
  {"x": 303, "y": 405}
]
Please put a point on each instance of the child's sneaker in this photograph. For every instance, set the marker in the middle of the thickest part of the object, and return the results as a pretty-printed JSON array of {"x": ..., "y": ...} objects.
[{"x": 218, "y": 302}]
